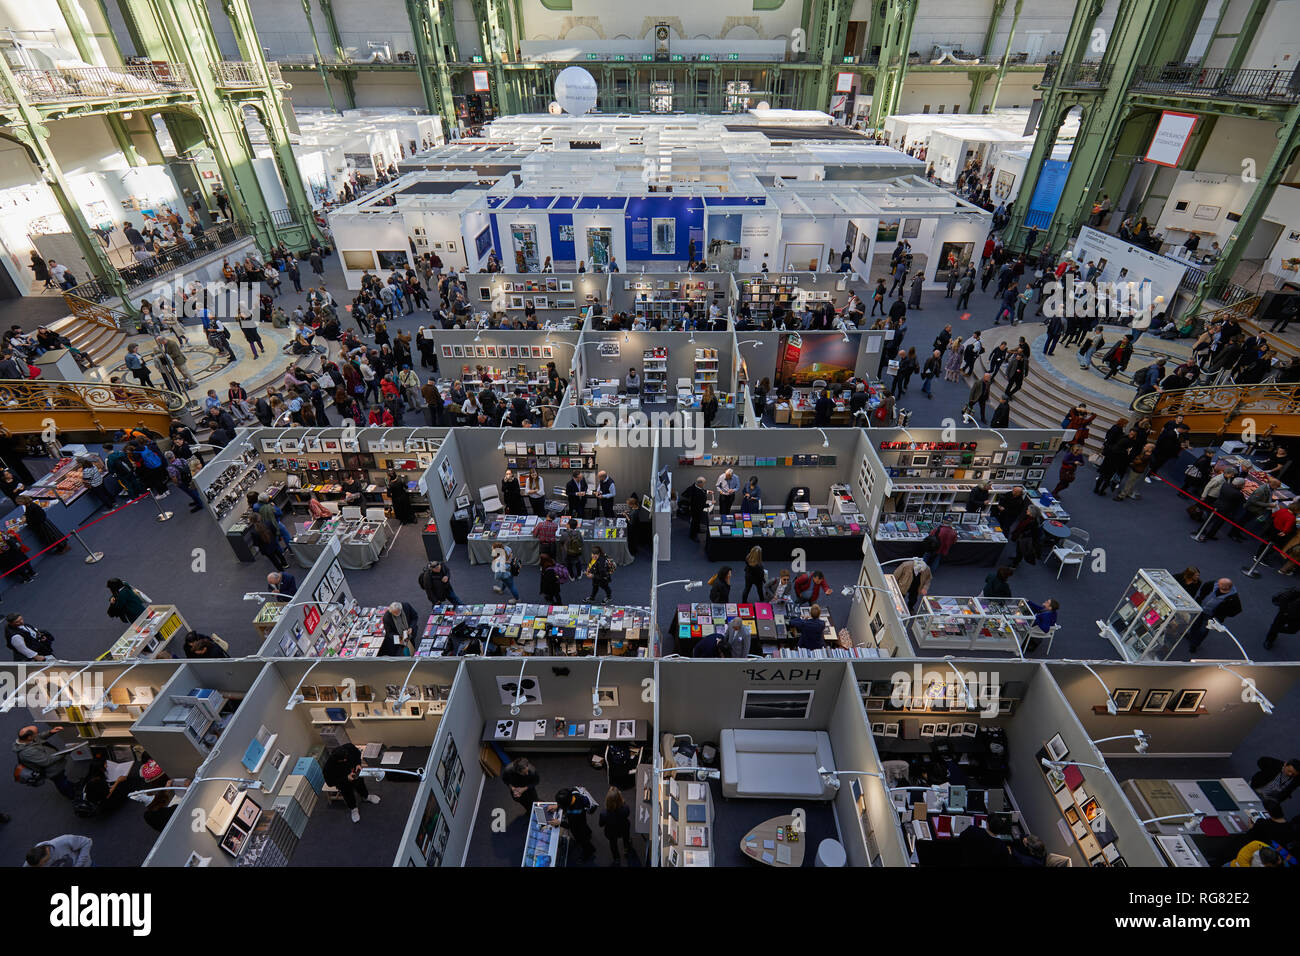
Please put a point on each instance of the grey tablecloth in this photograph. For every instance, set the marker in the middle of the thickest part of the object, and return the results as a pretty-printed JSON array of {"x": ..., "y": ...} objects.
[
  {"x": 528, "y": 550},
  {"x": 351, "y": 554}
]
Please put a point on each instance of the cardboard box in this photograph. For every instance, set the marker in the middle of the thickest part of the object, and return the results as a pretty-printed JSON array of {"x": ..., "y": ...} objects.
[{"x": 781, "y": 415}]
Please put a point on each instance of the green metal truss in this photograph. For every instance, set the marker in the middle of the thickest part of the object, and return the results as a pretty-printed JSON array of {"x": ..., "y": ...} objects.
[
  {"x": 346, "y": 76},
  {"x": 431, "y": 38},
  {"x": 893, "y": 33}
]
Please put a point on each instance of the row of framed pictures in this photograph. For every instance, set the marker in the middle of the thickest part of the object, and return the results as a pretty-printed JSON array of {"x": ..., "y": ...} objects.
[
  {"x": 982, "y": 474},
  {"x": 1010, "y": 458},
  {"x": 316, "y": 444},
  {"x": 498, "y": 351},
  {"x": 540, "y": 302},
  {"x": 1081, "y": 810},
  {"x": 1158, "y": 701},
  {"x": 549, "y": 284}
]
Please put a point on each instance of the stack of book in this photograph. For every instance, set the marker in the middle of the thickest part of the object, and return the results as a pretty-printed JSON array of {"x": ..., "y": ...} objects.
[
  {"x": 765, "y": 621},
  {"x": 537, "y": 628},
  {"x": 784, "y": 525}
]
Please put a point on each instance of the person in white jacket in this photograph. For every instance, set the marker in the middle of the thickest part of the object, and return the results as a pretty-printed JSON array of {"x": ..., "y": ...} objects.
[
  {"x": 501, "y": 572},
  {"x": 66, "y": 850}
]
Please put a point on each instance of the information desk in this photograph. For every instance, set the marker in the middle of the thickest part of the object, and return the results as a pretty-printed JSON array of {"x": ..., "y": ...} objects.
[
  {"x": 902, "y": 536},
  {"x": 149, "y": 635},
  {"x": 516, "y": 532},
  {"x": 361, "y": 540},
  {"x": 779, "y": 533},
  {"x": 582, "y": 731},
  {"x": 544, "y": 629},
  {"x": 547, "y": 843}
]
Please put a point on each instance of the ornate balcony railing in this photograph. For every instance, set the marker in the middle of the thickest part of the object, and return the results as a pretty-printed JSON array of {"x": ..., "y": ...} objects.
[
  {"x": 102, "y": 82},
  {"x": 90, "y": 398},
  {"x": 1281, "y": 86},
  {"x": 1082, "y": 75},
  {"x": 1225, "y": 402},
  {"x": 213, "y": 238},
  {"x": 243, "y": 74}
]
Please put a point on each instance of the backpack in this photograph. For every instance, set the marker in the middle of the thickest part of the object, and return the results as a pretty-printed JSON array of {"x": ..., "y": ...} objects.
[
  {"x": 573, "y": 543},
  {"x": 562, "y": 574},
  {"x": 150, "y": 458},
  {"x": 28, "y": 776}
]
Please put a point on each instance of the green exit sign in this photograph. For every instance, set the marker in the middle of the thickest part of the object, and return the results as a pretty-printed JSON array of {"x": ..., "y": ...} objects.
[
  {"x": 706, "y": 56},
  {"x": 733, "y": 56},
  {"x": 592, "y": 56},
  {"x": 476, "y": 59},
  {"x": 619, "y": 58},
  {"x": 646, "y": 57},
  {"x": 678, "y": 58},
  {"x": 849, "y": 59}
]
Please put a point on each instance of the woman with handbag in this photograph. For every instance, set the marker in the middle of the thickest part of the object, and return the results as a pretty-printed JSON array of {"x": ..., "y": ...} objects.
[
  {"x": 601, "y": 572},
  {"x": 125, "y": 603}
]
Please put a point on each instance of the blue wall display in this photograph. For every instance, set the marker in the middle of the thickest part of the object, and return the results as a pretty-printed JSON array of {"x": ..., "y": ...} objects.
[
  {"x": 687, "y": 223},
  {"x": 562, "y": 245},
  {"x": 483, "y": 241},
  {"x": 725, "y": 227},
  {"x": 496, "y": 238},
  {"x": 1047, "y": 192}
]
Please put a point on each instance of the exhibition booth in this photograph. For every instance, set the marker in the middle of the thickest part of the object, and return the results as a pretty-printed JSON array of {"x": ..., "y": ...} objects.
[
  {"x": 560, "y": 718},
  {"x": 953, "y": 148},
  {"x": 263, "y": 782},
  {"x": 560, "y": 300},
  {"x": 1149, "y": 275},
  {"x": 1009, "y": 170},
  {"x": 1201, "y": 713}
]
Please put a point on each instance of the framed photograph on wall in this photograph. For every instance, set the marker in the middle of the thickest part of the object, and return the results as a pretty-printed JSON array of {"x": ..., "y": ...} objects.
[
  {"x": 513, "y": 352},
  {"x": 1034, "y": 474},
  {"x": 516, "y": 302},
  {"x": 1188, "y": 701},
  {"x": 457, "y": 351},
  {"x": 1124, "y": 699},
  {"x": 1056, "y": 748},
  {"x": 541, "y": 302},
  {"x": 1157, "y": 701},
  {"x": 480, "y": 351},
  {"x": 446, "y": 351},
  {"x": 485, "y": 294},
  {"x": 491, "y": 351},
  {"x": 1208, "y": 212},
  {"x": 451, "y": 246},
  {"x": 536, "y": 351},
  {"x": 566, "y": 285},
  {"x": 552, "y": 284},
  {"x": 911, "y": 228}
]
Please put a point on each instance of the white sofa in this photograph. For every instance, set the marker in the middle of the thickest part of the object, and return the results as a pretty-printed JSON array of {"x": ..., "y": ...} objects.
[{"x": 766, "y": 764}]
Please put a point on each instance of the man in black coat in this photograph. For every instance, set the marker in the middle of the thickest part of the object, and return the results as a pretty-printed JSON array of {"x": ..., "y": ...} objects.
[
  {"x": 1231, "y": 502},
  {"x": 401, "y": 627},
  {"x": 1009, "y": 507},
  {"x": 576, "y": 493},
  {"x": 342, "y": 771},
  {"x": 1287, "y": 619},
  {"x": 697, "y": 499},
  {"x": 1219, "y": 600}
]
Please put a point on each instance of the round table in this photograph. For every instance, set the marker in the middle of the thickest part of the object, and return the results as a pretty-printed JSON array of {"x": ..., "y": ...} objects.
[
  {"x": 751, "y": 844},
  {"x": 1057, "y": 529}
]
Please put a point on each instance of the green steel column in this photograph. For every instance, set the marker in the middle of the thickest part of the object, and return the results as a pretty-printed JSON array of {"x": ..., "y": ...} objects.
[
  {"x": 1284, "y": 154},
  {"x": 977, "y": 77},
  {"x": 494, "y": 44},
  {"x": 895, "y": 46},
  {"x": 1246, "y": 35},
  {"x": 345, "y": 72},
  {"x": 90, "y": 52},
  {"x": 33, "y": 135},
  {"x": 435, "y": 84},
  {"x": 1056, "y": 103},
  {"x": 270, "y": 108},
  {"x": 834, "y": 23},
  {"x": 320, "y": 60},
  {"x": 1006, "y": 56}
]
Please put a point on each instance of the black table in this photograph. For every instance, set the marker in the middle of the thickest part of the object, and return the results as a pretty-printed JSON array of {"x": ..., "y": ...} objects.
[
  {"x": 839, "y": 548},
  {"x": 984, "y": 553}
]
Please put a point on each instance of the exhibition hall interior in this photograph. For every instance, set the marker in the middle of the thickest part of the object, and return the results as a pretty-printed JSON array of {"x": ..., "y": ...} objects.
[{"x": 565, "y": 433}]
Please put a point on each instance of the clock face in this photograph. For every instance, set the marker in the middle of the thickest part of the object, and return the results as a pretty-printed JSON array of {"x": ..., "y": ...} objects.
[{"x": 662, "y": 33}]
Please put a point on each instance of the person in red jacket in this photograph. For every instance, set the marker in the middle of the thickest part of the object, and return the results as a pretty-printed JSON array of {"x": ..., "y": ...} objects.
[
  {"x": 809, "y": 587},
  {"x": 946, "y": 537}
]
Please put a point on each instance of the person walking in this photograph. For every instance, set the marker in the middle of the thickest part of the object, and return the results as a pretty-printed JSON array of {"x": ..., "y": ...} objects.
[
  {"x": 616, "y": 823},
  {"x": 503, "y": 572},
  {"x": 522, "y": 778},
  {"x": 435, "y": 581},
  {"x": 1287, "y": 619},
  {"x": 1069, "y": 467},
  {"x": 952, "y": 360},
  {"x": 979, "y": 395},
  {"x": 601, "y": 571},
  {"x": 1137, "y": 467},
  {"x": 964, "y": 289},
  {"x": 1229, "y": 505},
  {"x": 1219, "y": 600},
  {"x": 755, "y": 574},
  {"x": 549, "y": 586},
  {"x": 914, "y": 293},
  {"x": 35, "y": 753},
  {"x": 933, "y": 366}
]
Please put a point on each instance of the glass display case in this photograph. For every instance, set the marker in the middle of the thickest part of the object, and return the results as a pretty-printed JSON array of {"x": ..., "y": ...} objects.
[
  {"x": 969, "y": 623},
  {"x": 547, "y": 843},
  {"x": 1151, "y": 618}
]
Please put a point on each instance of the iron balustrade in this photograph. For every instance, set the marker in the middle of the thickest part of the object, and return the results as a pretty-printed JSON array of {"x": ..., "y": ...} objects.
[
  {"x": 1219, "y": 83},
  {"x": 244, "y": 73},
  {"x": 102, "y": 82},
  {"x": 98, "y": 290}
]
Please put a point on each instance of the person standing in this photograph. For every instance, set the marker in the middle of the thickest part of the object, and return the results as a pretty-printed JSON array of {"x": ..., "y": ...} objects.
[
  {"x": 698, "y": 503},
  {"x": 573, "y": 548},
  {"x": 1137, "y": 467},
  {"x": 136, "y": 366},
  {"x": 178, "y": 470},
  {"x": 1228, "y": 506},
  {"x": 979, "y": 395},
  {"x": 811, "y": 629},
  {"x": 522, "y": 778},
  {"x": 933, "y": 366},
  {"x": 1219, "y": 600},
  {"x": 755, "y": 574},
  {"x": 33, "y": 751},
  {"x": 512, "y": 494},
  {"x": 435, "y": 581},
  {"x": 400, "y": 496},
  {"x": 400, "y": 622},
  {"x": 342, "y": 771},
  {"x": 576, "y": 493},
  {"x": 728, "y": 485},
  {"x": 1287, "y": 619},
  {"x": 573, "y": 805},
  {"x": 67, "y": 850},
  {"x": 605, "y": 492},
  {"x": 616, "y": 824},
  {"x": 535, "y": 489},
  {"x": 751, "y": 502}
]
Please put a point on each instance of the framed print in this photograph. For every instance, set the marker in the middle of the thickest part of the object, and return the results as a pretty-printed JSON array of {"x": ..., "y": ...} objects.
[
  {"x": 507, "y": 287},
  {"x": 536, "y": 351},
  {"x": 446, "y": 351},
  {"x": 548, "y": 352},
  {"x": 875, "y": 703},
  {"x": 514, "y": 351},
  {"x": 1071, "y": 815},
  {"x": 1204, "y": 211},
  {"x": 451, "y": 246},
  {"x": 1124, "y": 699},
  {"x": 1056, "y": 748},
  {"x": 1157, "y": 701},
  {"x": 1034, "y": 474},
  {"x": 485, "y": 294},
  {"x": 491, "y": 351},
  {"x": 997, "y": 458},
  {"x": 1056, "y": 780},
  {"x": 457, "y": 351},
  {"x": 1091, "y": 809},
  {"x": 247, "y": 814},
  {"x": 480, "y": 351},
  {"x": 270, "y": 446},
  {"x": 1188, "y": 701},
  {"x": 541, "y": 302},
  {"x": 312, "y": 444},
  {"x": 552, "y": 284},
  {"x": 877, "y": 730},
  {"x": 1013, "y": 458},
  {"x": 566, "y": 285},
  {"x": 516, "y": 302},
  {"x": 234, "y": 841},
  {"x": 329, "y": 445}
]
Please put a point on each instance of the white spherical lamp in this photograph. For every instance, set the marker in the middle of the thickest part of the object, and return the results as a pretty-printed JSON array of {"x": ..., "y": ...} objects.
[
  {"x": 763, "y": 105},
  {"x": 575, "y": 90},
  {"x": 554, "y": 109}
]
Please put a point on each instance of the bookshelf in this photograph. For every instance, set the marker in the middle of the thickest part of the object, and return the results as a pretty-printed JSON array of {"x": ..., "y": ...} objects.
[
  {"x": 687, "y": 821},
  {"x": 340, "y": 704},
  {"x": 706, "y": 369},
  {"x": 654, "y": 375},
  {"x": 81, "y": 718},
  {"x": 551, "y": 456},
  {"x": 763, "y": 294}
]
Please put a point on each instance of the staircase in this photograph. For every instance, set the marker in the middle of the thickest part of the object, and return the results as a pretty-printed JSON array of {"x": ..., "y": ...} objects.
[{"x": 97, "y": 330}]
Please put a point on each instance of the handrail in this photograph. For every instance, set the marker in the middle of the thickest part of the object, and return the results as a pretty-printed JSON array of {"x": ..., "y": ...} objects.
[
  {"x": 1229, "y": 401},
  {"x": 244, "y": 73},
  {"x": 171, "y": 257},
  {"x": 1218, "y": 82},
  {"x": 106, "y": 317},
  {"x": 94, "y": 398},
  {"x": 100, "y": 82}
]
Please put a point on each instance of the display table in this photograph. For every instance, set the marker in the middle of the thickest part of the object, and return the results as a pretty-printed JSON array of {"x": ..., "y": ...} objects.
[
  {"x": 267, "y": 616},
  {"x": 541, "y": 731},
  {"x": 516, "y": 532},
  {"x": 829, "y": 538},
  {"x": 768, "y": 625},
  {"x": 361, "y": 541},
  {"x": 902, "y": 536},
  {"x": 983, "y": 553},
  {"x": 784, "y": 851},
  {"x": 1230, "y": 806},
  {"x": 547, "y": 843},
  {"x": 147, "y": 637},
  {"x": 973, "y": 623},
  {"x": 543, "y": 629}
]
